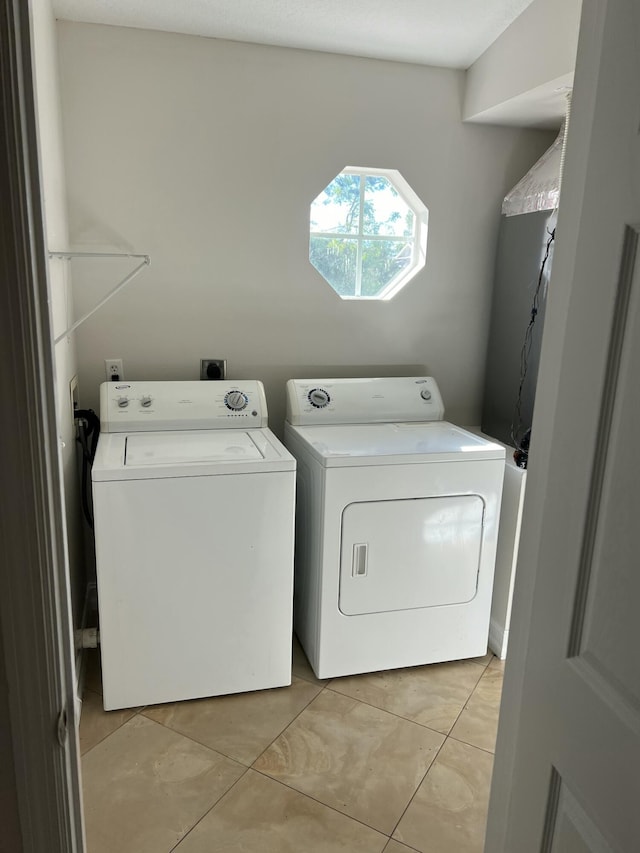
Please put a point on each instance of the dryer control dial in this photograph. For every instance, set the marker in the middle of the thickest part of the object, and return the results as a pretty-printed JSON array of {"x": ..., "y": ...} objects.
[
  {"x": 145, "y": 402},
  {"x": 236, "y": 401},
  {"x": 319, "y": 398},
  {"x": 123, "y": 402},
  {"x": 425, "y": 394}
]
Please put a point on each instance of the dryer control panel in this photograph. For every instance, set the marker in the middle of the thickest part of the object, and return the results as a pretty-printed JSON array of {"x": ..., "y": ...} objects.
[
  {"x": 150, "y": 406},
  {"x": 363, "y": 401}
]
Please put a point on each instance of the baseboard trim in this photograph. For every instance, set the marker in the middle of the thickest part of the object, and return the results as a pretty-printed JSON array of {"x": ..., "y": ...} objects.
[{"x": 498, "y": 638}]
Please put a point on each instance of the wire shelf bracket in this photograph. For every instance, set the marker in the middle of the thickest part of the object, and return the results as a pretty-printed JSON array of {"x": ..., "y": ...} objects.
[{"x": 67, "y": 256}]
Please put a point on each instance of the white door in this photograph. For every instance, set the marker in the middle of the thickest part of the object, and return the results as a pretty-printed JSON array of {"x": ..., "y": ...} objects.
[
  {"x": 567, "y": 772},
  {"x": 40, "y": 797}
]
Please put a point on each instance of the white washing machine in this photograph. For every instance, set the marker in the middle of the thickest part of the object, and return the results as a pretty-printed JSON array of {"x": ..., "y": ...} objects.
[
  {"x": 194, "y": 515},
  {"x": 397, "y": 517}
]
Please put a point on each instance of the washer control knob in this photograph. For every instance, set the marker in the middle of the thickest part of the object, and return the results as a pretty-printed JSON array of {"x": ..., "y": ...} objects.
[
  {"x": 236, "y": 401},
  {"x": 145, "y": 402},
  {"x": 319, "y": 398},
  {"x": 123, "y": 402},
  {"x": 425, "y": 394}
]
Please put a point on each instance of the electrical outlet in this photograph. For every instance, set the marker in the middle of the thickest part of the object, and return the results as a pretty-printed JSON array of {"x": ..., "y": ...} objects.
[
  {"x": 213, "y": 368},
  {"x": 114, "y": 369},
  {"x": 74, "y": 397}
]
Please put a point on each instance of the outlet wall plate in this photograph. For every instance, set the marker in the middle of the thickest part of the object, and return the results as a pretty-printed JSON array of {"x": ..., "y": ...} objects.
[
  {"x": 213, "y": 368},
  {"x": 113, "y": 368}
]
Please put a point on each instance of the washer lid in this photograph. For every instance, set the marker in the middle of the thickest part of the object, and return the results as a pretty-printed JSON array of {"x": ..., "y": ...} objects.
[
  {"x": 389, "y": 444},
  {"x": 171, "y": 448},
  {"x": 192, "y": 453}
]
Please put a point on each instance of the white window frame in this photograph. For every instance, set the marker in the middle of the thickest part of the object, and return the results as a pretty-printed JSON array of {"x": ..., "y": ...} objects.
[{"x": 419, "y": 237}]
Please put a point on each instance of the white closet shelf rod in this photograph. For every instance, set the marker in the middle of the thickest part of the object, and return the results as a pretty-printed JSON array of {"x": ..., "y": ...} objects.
[{"x": 146, "y": 260}]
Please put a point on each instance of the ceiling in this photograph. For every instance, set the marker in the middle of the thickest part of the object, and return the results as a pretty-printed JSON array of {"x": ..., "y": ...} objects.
[{"x": 448, "y": 33}]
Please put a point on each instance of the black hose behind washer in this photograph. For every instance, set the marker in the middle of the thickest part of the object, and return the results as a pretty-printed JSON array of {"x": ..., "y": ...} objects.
[{"x": 88, "y": 434}]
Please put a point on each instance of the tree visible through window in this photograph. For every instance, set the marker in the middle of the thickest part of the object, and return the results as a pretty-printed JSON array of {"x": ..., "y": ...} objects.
[{"x": 368, "y": 233}]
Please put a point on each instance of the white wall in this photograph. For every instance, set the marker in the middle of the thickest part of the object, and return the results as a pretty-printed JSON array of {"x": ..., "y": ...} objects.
[
  {"x": 207, "y": 154},
  {"x": 516, "y": 79},
  {"x": 52, "y": 178}
]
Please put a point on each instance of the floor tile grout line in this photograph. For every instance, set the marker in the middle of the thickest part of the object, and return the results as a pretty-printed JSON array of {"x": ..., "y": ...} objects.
[
  {"x": 117, "y": 728},
  {"x": 475, "y": 687},
  {"x": 359, "y": 701},
  {"x": 196, "y": 741},
  {"x": 459, "y": 740},
  {"x": 399, "y": 716},
  {"x": 321, "y": 803},
  {"x": 143, "y": 708},
  {"x": 290, "y": 723},
  {"x": 403, "y": 843},
  {"x": 473, "y": 745},
  {"x": 211, "y": 808},
  {"x": 413, "y": 796},
  {"x": 485, "y": 667},
  {"x": 245, "y": 767},
  {"x": 293, "y": 790},
  {"x": 446, "y": 734},
  {"x": 447, "y": 737},
  {"x": 317, "y": 682},
  {"x": 242, "y": 763},
  {"x": 173, "y": 731}
]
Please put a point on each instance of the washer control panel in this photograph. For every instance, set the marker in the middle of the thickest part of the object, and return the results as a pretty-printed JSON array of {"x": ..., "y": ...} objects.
[
  {"x": 151, "y": 406},
  {"x": 347, "y": 401}
]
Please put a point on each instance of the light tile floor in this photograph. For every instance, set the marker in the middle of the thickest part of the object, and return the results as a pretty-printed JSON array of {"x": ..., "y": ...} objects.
[{"x": 388, "y": 762}]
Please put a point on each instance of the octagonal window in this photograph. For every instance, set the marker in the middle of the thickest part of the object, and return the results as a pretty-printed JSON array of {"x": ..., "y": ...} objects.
[{"x": 368, "y": 233}]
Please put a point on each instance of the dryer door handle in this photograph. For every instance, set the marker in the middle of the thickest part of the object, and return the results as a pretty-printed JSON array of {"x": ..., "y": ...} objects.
[{"x": 359, "y": 563}]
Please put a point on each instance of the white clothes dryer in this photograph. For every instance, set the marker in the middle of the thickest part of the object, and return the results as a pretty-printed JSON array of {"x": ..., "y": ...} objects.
[
  {"x": 194, "y": 515},
  {"x": 397, "y": 517}
]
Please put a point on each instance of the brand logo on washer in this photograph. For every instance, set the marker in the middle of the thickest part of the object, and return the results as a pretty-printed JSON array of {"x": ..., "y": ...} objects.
[
  {"x": 120, "y": 387},
  {"x": 421, "y": 381}
]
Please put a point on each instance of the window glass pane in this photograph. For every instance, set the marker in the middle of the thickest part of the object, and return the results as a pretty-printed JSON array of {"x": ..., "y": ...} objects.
[
  {"x": 366, "y": 227},
  {"x": 385, "y": 211},
  {"x": 335, "y": 258},
  {"x": 337, "y": 209},
  {"x": 382, "y": 261}
]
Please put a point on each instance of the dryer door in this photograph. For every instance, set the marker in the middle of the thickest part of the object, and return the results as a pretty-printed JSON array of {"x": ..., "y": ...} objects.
[{"x": 411, "y": 553}]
